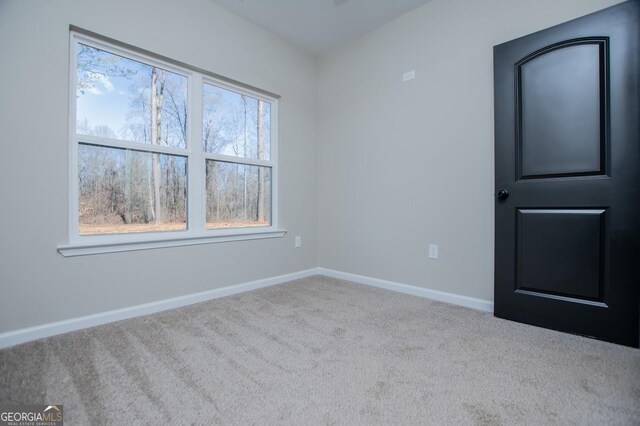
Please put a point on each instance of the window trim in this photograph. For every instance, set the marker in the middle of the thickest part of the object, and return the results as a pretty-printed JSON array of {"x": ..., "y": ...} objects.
[
  {"x": 196, "y": 157},
  {"x": 242, "y": 234}
]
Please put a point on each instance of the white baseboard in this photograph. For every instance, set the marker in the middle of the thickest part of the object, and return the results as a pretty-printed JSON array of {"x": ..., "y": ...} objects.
[
  {"x": 455, "y": 299},
  {"x": 16, "y": 337}
]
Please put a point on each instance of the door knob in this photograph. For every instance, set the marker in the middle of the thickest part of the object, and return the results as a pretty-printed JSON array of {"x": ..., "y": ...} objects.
[{"x": 503, "y": 194}]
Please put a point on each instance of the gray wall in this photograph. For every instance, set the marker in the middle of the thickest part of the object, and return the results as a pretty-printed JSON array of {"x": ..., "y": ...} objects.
[
  {"x": 38, "y": 285},
  {"x": 403, "y": 165}
]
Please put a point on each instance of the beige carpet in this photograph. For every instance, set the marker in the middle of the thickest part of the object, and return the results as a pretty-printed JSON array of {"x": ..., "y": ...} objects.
[{"x": 324, "y": 351}]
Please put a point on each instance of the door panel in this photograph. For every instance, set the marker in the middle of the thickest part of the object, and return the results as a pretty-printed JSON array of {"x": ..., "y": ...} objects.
[
  {"x": 567, "y": 174},
  {"x": 562, "y": 97},
  {"x": 561, "y": 252}
]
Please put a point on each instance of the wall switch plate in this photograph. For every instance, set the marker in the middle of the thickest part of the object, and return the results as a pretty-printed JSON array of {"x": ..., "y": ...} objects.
[
  {"x": 298, "y": 241},
  {"x": 433, "y": 251},
  {"x": 409, "y": 75}
]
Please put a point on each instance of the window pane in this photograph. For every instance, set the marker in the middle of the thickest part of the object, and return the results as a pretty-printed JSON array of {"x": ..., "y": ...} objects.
[
  {"x": 236, "y": 124},
  {"x": 238, "y": 195},
  {"x": 122, "y": 190},
  {"x": 124, "y": 99}
]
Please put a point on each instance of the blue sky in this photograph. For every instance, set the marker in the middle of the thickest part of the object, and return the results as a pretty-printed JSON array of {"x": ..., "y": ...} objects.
[{"x": 106, "y": 103}]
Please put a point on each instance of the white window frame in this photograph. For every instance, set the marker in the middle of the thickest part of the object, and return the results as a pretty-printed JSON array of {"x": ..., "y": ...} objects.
[{"x": 196, "y": 232}]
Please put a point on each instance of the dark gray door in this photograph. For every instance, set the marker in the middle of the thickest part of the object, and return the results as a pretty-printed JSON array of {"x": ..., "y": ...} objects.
[{"x": 567, "y": 163}]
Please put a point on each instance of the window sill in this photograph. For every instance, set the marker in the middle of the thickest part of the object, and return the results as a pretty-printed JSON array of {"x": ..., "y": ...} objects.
[{"x": 73, "y": 250}]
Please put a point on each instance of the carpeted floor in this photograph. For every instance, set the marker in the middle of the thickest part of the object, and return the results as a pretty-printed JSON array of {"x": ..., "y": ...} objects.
[{"x": 325, "y": 351}]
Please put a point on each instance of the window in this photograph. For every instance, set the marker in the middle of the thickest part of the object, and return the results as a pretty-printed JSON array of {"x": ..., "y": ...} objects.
[
  {"x": 161, "y": 151},
  {"x": 237, "y": 144}
]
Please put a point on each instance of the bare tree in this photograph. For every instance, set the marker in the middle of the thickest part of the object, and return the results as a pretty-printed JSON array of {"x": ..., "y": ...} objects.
[
  {"x": 157, "y": 99},
  {"x": 245, "y": 203},
  {"x": 93, "y": 65},
  {"x": 261, "y": 183}
]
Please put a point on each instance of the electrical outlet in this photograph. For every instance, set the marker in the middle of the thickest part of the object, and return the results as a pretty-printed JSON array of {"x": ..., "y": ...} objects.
[
  {"x": 433, "y": 251},
  {"x": 298, "y": 241}
]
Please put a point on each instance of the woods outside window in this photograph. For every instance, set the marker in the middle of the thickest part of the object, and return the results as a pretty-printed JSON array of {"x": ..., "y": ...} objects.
[{"x": 161, "y": 151}]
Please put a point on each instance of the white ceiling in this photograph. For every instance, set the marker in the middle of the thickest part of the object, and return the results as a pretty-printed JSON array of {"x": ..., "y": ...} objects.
[{"x": 319, "y": 25}]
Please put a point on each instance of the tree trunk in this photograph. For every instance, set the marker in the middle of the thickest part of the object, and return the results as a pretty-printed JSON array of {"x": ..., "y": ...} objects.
[
  {"x": 128, "y": 183},
  {"x": 245, "y": 203},
  {"x": 156, "y": 107},
  {"x": 260, "y": 137}
]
